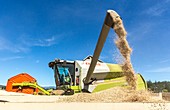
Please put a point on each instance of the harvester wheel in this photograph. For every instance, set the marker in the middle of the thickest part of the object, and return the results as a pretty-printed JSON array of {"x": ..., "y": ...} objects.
[{"x": 69, "y": 92}]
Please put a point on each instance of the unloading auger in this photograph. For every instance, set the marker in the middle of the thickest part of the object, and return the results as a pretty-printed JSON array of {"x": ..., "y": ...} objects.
[{"x": 108, "y": 23}]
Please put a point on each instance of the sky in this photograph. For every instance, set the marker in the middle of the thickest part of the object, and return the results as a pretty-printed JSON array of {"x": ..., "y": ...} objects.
[{"x": 35, "y": 32}]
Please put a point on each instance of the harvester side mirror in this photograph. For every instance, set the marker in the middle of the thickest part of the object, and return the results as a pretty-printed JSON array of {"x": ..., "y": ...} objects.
[{"x": 51, "y": 64}]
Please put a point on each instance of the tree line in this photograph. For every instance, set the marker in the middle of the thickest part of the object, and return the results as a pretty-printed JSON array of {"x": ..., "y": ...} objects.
[{"x": 159, "y": 86}]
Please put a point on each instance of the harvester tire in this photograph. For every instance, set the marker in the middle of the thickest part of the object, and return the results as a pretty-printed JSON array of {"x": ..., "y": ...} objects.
[{"x": 69, "y": 92}]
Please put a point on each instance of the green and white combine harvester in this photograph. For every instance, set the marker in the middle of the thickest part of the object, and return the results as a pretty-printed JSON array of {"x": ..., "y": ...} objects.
[{"x": 91, "y": 74}]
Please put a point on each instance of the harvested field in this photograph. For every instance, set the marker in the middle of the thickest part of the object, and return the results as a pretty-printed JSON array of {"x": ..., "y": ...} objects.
[
  {"x": 112, "y": 95},
  {"x": 166, "y": 96}
]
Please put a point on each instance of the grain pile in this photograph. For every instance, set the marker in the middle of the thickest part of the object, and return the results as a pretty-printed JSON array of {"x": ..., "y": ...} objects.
[
  {"x": 125, "y": 50},
  {"x": 118, "y": 94}
]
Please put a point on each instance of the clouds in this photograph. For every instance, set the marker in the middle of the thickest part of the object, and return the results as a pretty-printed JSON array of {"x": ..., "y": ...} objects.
[
  {"x": 37, "y": 61},
  {"x": 24, "y": 43},
  {"x": 165, "y": 61},
  {"x": 160, "y": 67},
  {"x": 151, "y": 20},
  {"x": 140, "y": 30},
  {"x": 9, "y": 45},
  {"x": 42, "y": 42},
  {"x": 160, "y": 70},
  {"x": 11, "y": 58},
  {"x": 158, "y": 9}
]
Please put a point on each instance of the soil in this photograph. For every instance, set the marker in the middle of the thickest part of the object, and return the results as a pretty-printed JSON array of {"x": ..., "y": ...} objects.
[{"x": 117, "y": 94}]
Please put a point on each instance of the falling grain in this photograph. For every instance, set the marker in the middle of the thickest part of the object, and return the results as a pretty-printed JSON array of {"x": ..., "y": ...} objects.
[{"x": 125, "y": 50}]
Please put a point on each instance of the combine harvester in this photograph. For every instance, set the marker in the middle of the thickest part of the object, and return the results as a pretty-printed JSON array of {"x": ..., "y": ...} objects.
[{"x": 90, "y": 75}]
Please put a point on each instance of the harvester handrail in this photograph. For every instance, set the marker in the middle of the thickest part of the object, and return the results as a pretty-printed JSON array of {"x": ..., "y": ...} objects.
[{"x": 34, "y": 85}]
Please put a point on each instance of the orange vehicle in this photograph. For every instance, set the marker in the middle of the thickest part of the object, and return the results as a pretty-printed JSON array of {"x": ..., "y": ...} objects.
[{"x": 18, "y": 79}]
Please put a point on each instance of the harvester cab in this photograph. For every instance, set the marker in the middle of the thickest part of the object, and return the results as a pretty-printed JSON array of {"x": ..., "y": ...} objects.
[{"x": 63, "y": 74}]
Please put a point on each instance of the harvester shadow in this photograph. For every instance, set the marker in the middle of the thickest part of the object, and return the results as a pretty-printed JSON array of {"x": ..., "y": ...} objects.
[{"x": 3, "y": 101}]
